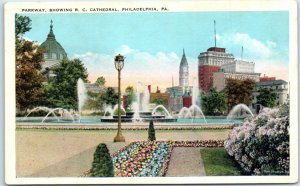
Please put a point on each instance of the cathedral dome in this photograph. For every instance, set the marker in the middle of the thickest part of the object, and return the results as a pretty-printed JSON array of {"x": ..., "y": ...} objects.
[{"x": 52, "y": 49}]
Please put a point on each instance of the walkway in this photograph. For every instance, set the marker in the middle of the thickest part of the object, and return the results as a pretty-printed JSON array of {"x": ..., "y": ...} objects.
[{"x": 186, "y": 161}]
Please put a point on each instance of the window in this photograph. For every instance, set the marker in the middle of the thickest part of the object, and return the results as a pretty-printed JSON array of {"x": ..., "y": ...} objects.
[
  {"x": 46, "y": 55},
  {"x": 54, "y": 56}
]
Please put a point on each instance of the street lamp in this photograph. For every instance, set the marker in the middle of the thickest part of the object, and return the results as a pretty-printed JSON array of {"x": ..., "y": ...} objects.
[{"x": 119, "y": 64}]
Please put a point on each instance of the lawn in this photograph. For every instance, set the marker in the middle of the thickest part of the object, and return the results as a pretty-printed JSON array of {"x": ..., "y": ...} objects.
[{"x": 217, "y": 163}]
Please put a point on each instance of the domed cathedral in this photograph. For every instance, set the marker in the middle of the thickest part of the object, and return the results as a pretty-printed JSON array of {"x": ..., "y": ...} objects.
[
  {"x": 184, "y": 72},
  {"x": 53, "y": 54}
]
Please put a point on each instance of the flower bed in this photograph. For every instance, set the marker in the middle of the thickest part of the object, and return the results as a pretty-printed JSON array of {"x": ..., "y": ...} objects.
[
  {"x": 142, "y": 159},
  {"x": 151, "y": 158}
]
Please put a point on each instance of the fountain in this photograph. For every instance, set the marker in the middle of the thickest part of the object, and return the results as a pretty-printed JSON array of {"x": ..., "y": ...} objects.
[
  {"x": 195, "y": 93},
  {"x": 164, "y": 109},
  {"x": 81, "y": 94},
  {"x": 194, "y": 111},
  {"x": 59, "y": 109},
  {"x": 116, "y": 108},
  {"x": 145, "y": 100},
  {"x": 108, "y": 110},
  {"x": 239, "y": 108},
  {"x": 38, "y": 109},
  {"x": 141, "y": 111}
]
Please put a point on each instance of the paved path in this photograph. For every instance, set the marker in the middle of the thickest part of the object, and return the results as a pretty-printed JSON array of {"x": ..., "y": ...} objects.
[
  {"x": 39, "y": 152},
  {"x": 186, "y": 161}
]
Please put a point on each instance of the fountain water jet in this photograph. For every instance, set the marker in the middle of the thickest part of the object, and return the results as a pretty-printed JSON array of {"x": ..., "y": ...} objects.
[
  {"x": 52, "y": 112},
  {"x": 81, "y": 94},
  {"x": 164, "y": 108},
  {"x": 116, "y": 108},
  {"x": 145, "y": 100},
  {"x": 40, "y": 108},
  {"x": 239, "y": 108},
  {"x": 194, "y": 111},
  {"x": 108, "y": 110}
]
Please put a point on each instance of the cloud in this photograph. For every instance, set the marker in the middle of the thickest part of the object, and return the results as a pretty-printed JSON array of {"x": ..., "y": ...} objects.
[
  {"x": 264, "y": 54},
  {"x": 124, "y": 50},
  {"x": 151, "y": 69},
  {"x": 252, "y": 47}
]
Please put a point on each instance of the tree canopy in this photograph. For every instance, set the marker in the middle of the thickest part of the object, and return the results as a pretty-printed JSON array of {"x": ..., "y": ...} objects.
[
  {"x": 266, "y": 97},
  {"x": 61, "y": 90},
  {"x": 238, "y": 91},
  {"x": 29, "y": 57},
  {"x": 109, "y": 97},
  {"x": 100, "y": 81},
  {"x": 129, "y": 91},
  {"x": 22, "y": 24},
  {"x": 214, "y": 102}
]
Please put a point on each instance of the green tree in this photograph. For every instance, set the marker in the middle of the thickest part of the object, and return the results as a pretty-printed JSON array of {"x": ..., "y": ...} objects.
[
  {"x": 102, "y": 165},
  {"x": 266, "y": 97},
  {"x": 160, "y": 101},
  {"x": 29, "y": 57},
  {"x": 61, "y": 90},
  {"x": 151, "y": 132},
  {"x": 22, "y": 25},
  {"x": 130, "y": 97},
  {"x": 93, "y": 101},
  {"x": 109, "y": 97},
  {"x": 100, "y": 81},
  {"x": 214, "y": 102},
  {"x": 238, "y": 91}
]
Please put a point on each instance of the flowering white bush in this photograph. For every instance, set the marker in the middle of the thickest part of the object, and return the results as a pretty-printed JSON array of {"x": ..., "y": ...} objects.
[{"x": 261, "y": 146}]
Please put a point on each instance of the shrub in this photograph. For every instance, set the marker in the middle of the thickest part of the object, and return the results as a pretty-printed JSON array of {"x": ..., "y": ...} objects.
[
  {"x": 151, "y": 132},
  {"x": 261, "y": 145},
  {"x": 102, "y": 165}
]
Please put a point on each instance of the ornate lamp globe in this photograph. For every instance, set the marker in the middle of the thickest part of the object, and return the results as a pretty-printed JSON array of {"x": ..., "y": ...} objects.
[{"x": 119, "y": 62}]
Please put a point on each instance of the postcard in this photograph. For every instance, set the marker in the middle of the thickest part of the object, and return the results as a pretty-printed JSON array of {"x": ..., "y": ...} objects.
[{"x": 160, "y": 92}]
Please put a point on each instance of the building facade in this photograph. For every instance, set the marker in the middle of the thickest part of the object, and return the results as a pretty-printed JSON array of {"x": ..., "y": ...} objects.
[
  {"x": 238, "y": 66},
  {"x": 210, "y": 62},
  {"x": 279, "y": 87},
  {"x": 219, "y": 78}
]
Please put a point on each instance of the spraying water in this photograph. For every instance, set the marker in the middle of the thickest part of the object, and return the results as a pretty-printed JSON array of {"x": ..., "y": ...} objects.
[
  {"x": 145, "y": 100},
  {"x": 81, "y": 94},
  {"x": 238, "y": 108},
  {"x": 164, "y": 109},
  {"x": 195, "y": 93}
]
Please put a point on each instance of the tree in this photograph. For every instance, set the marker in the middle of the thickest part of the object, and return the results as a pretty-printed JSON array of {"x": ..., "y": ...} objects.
[
  {"x": 29, "y": 56},
  {"x": 22, "y": 25},
  {"x": 109, "y": 97},
  {"x": 238, "y": 91},
  {"x": 100, "y": 81},
  {"x": 61, "y": 91},
  {"x": 93, "y": 101},
  {"x": 266, "y": 97},
  {"x": 130, "y": 97},
  {"x": 160, "y": 101},
  {"x": 102, "y": 165},
  {"x": 151, "y": 132},
  {"x": 214, "y": 103}
]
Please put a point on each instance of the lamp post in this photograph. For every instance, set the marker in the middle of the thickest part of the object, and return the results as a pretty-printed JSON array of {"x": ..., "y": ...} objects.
[{"x": 119, "y": 64}]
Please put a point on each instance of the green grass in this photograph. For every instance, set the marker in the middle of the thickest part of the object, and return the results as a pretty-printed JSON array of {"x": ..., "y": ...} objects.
[{"x": 217, "y": 162}]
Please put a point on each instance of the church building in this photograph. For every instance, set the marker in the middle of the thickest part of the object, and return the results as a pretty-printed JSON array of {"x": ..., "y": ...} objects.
[{"x": 53, "y": 54}]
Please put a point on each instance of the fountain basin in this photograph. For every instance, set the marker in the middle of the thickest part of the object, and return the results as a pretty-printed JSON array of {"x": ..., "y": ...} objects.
[{"x": 143, "y": 116}]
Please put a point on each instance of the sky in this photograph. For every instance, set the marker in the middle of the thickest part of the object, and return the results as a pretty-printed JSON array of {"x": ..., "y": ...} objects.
[{"x": 153, "y": 43}]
